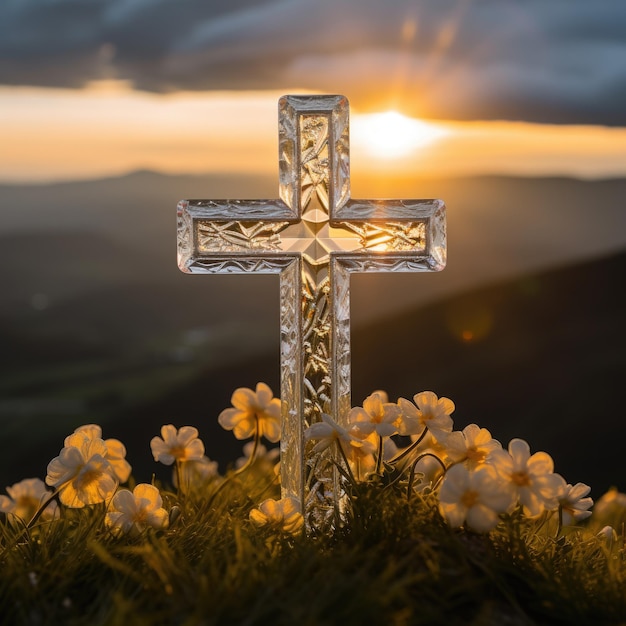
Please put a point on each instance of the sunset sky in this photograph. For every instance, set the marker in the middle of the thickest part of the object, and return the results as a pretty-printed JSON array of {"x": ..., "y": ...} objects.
[{"x": 105, "y": 87}]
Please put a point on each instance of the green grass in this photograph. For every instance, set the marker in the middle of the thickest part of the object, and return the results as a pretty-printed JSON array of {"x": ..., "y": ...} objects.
[{"x": 394, "y": 562}]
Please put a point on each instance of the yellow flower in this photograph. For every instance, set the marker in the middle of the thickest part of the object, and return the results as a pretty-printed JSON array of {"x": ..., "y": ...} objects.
[
  {"x": 24, "y": 500},
  {"x": 83, "y": 472},
  {"x": 474, "y": 498},
  {"x": 116, "y": 452},
  {"x": 177, "y": 445},
  {"x": 253, "y": 411},
  {"x": 280, "y": 515},
  {"x": 134, "y": 512}
]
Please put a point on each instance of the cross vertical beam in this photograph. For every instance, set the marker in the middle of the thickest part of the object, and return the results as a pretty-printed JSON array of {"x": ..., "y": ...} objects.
[{"x": 314, "y": 236}]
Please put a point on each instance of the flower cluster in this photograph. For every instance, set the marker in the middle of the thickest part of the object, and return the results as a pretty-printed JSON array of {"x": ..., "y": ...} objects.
[
  {"x": 89, "y": 471},
  {"x": 88, "y": 468},
  {"x": 476, "y": 480}
]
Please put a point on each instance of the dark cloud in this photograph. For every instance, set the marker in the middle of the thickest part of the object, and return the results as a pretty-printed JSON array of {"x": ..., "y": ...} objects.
[{"x": 551, "y": 61}]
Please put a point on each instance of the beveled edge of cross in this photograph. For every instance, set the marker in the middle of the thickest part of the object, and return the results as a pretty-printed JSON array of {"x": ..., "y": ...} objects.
[{"x": 287, "y": 209}]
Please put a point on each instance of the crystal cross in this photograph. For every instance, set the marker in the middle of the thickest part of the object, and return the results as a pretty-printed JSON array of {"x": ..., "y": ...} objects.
[{"x": 313, "y": 237}]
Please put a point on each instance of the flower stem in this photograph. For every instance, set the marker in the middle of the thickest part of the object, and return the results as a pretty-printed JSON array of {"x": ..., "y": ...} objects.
[
  {"x": 36, "y": 516},
  {"x": 245, "y": 466},
  {"x": 255, "y": 447},
  {"x": 412, "y": 470},
  {"x": 179, "y": 477},
  {"x": 347, "y": 463},
  {"x": 410, "y": 449},
  {"x": 379, "y": 458},
  {"x": 44, "y": 504}
]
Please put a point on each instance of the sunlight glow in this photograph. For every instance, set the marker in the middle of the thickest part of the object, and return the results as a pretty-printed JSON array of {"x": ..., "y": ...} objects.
[
  {"x": 109, "y": 129},
  {"x": 391, "y": 135}
]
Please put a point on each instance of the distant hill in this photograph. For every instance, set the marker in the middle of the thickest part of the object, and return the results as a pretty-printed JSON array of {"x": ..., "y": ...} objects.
[{"x": 498, "y": 228}]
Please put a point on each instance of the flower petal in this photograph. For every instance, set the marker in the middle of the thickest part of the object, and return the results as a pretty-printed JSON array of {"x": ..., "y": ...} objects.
[
  {"x": 158, "y": 518},
  {"x": 245, "y": 428},
  {"x": 263, "y": 394},
  {"x": 194, "y": 451},
  {"x": 579, "y": 490},
  {"x": 408, "y": 408},
  {"x": 93, "y": 431},
  {"x": 481, "y": 518},
  {"x": 540, "y": 463},
  {"x": 125, "y": 502},
  {"x": 258, "y": 517},
  {"x": 270, "y": 429},
  {"x": 168, "y": 432},
  {"x": 186, "y": 434},
  {"x": 520, "y": 452},
  {"x": 454, "y": 513},
  {"x": 229, "y": 418},
  {"x": 150, "y": 494},
  {"x": 243, "y": 399},
  {"x": 425, "y": 400}
]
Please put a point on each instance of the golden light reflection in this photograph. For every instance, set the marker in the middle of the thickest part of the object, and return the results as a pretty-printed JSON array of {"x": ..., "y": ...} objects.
[{"x": 391, "y": 135}]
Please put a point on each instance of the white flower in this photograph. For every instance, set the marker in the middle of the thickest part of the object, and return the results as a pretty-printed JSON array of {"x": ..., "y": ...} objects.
[
  {"x": 24, "y": 500},
  {"x": 358, "y": 447},
  {"x": 251, "y": 411},
  {"x": 136, "y": 511},
  {"x": 327, "y": 431},
  {"x": 115, "y": 454},
  {"x": 574, "y": 505},
  {"x": 472, "y": 445},
  {"x": 475, "y": 498},
  {"x": 431, "y": 412},
  {"x": 281, "y": 515},
  {"x": 177, "y": 445},
  {"x": 83, "y": 472},
  {"x": 530, "y": 478},
  {"x": 378, "y": 416}
]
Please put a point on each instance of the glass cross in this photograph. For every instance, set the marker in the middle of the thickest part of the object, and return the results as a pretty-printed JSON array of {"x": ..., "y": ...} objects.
[{"x": 313, "y": 237}]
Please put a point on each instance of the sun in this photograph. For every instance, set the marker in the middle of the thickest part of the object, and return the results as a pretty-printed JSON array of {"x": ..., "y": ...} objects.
[{"x": 391, "y": 135}]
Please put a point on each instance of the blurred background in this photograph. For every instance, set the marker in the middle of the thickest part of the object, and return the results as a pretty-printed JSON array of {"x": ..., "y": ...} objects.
[{"x": 113, "y": 110}]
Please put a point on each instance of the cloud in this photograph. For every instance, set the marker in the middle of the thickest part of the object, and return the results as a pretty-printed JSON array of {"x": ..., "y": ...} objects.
[{"x": 558, "y": 61}]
